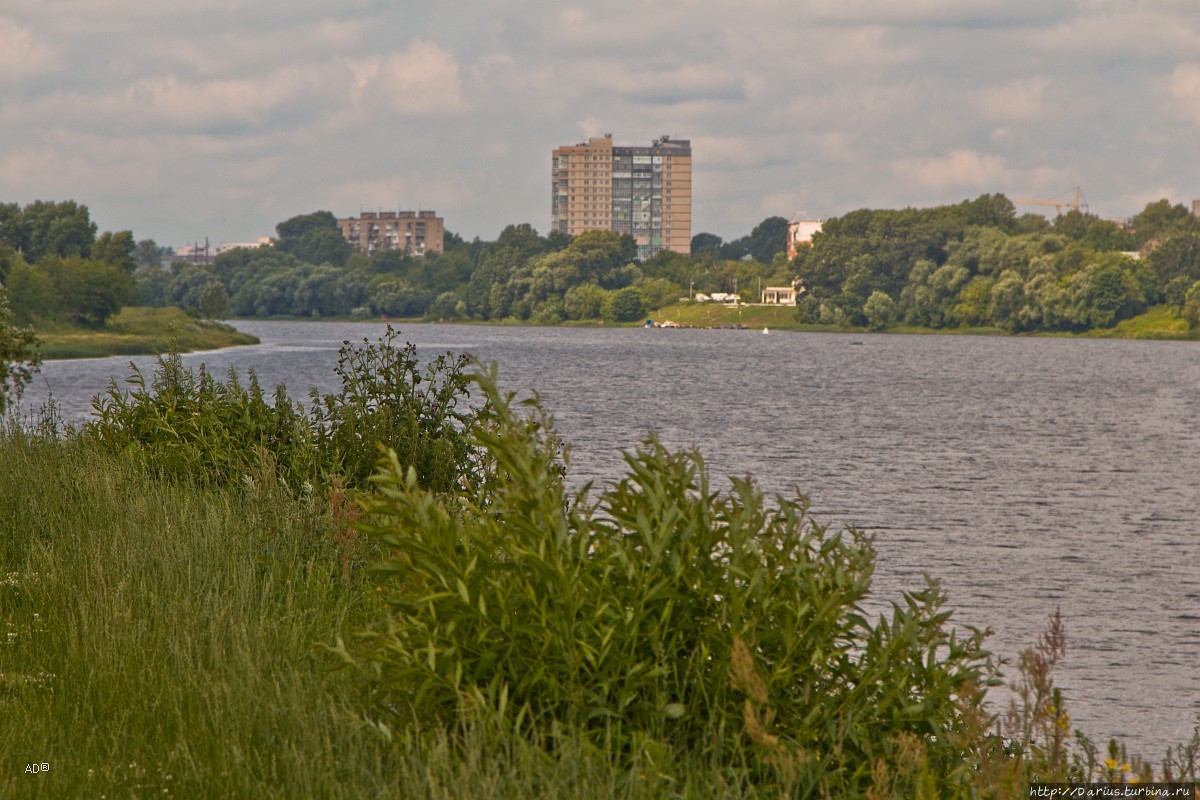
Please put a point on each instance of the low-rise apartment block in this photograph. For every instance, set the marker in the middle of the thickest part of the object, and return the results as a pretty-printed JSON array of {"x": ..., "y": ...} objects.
[{"x": 415, "y": 232}]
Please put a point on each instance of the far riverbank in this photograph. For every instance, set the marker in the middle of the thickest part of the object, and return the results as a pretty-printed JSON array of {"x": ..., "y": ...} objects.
[{"x": 139, "y": 332}]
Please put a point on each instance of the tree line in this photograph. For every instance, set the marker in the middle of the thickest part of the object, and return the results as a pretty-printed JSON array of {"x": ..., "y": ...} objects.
[
  {"x": 55, "y": 268},
  {"x": 972, "y": 264},
  {"x": 311, "y": 271},
  {"x": 978, "y": 263}
]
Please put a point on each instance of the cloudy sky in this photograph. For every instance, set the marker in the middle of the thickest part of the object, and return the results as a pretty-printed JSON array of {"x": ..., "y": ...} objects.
[{"x": 220, "y": 118}]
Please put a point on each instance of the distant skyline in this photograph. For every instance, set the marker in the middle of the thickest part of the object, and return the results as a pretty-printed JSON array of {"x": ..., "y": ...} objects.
[{"x": 221, "y": 118}]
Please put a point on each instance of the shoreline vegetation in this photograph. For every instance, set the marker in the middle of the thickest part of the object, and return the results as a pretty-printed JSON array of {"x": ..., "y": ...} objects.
[
  {"x": 138, "y": 331},
  {"x": 151, "y": 331},
  {"x": 973, "y": 267},
  {"x": 255, "y": 605}
]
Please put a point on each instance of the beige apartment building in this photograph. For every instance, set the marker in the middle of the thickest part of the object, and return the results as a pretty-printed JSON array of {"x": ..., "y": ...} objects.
[
  {"x": 415, "y": 232},
  {"x": 645, "y": 192}
]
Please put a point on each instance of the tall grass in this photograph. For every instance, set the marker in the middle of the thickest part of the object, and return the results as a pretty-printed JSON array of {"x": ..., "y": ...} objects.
[
  {"x": 163, "y": 640},
  {"x": 164, "y": 637}
]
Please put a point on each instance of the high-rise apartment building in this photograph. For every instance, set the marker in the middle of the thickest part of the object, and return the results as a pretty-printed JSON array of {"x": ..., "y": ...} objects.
[
  {"x": 415, "y": 232},
  {"x": 645, "y": 192}
]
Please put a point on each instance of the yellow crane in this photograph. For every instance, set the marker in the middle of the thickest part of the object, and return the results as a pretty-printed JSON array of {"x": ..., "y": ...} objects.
[{"x": 1075, "y": 204}]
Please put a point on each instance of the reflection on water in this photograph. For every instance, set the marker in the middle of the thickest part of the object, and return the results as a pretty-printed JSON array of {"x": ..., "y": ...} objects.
[{"x": 1025, "y": 474}]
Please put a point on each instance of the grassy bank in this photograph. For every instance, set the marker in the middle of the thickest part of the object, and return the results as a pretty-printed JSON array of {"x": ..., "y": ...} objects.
[
  {"x": 719, "y": 315},
  {"x": 139, "y": 331},
  {"x": 1160, "y": 322},
  {"x": 169, "y": 643}
]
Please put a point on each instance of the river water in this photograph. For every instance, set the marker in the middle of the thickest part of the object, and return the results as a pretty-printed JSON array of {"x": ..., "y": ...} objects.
[{"x": 1026, "y": 474}]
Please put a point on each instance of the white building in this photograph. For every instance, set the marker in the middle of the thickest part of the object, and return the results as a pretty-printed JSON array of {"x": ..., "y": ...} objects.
[{"x": 800, "y": 231}]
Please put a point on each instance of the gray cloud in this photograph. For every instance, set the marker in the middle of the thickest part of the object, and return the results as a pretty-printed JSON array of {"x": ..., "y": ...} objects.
[{"x": 222, "y": 118}]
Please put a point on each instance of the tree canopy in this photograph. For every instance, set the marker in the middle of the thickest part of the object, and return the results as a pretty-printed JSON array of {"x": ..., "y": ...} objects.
[{"x": 973, "y": 263}]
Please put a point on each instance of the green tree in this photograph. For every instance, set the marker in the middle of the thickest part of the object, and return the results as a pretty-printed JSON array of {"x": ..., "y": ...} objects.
[
  {"x": 974, "y": 302},
  {"x": 600, "y": 257},
  {"x": 89, "y": 291},
  {"x": 118, "y": 249},
  {"x": 1175, "y": 292},
  {"x": 768, "y": 238},
  {"x": 321, "y": 246},
  {"x": 1105, "y": 293},
  {"x": 8, "y": 257},
  {"x": 445, "y": 306},
  {"x": 880, "y": 310},
  {"x": 488, "y": 293},
  {"x": 659, "y": 292},
  {"x": 395, "y": 297},
  {"x": 1048, "y": 305},
  {"x": 214, "y": 301},
  {"x": 990, "y": 210},
  {"x": 57, "y": 229},
  {"x": 1159, "y": 218},
  {"x": 150, "y": 286},
  {"x": 735, "y": 250},
  {"x": 293, "y": 229},
  {"x": 1175, "y": 254},
  {"x": 187, "y": 283},
  {"x": 392, "y": 262},
  {"x": 314, "y": 239},
  {"x": 148, "y": 254},
  {"x": 549, "y": 312},
  {"x": 1008, "y": 298},
  {"x": 31, "y": 293},
  {"x": 13, "y": 232},
  {"x": 706, "y": 243},
  {"x": 523, "y": 239},
  {"x": 624, "y": 305},
  {"x": 979, "y": 251},
  {"x": 1191, "y": 306},
  {"x": 585, "y": 301},
  {"x": 19, "y": 358},
  {"x": 931, "y": 293},
  {"x": 1073, "y": 224}
]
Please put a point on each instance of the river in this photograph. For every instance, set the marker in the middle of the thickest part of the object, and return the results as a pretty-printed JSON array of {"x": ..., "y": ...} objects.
[{"x": 1026, "y": 474}]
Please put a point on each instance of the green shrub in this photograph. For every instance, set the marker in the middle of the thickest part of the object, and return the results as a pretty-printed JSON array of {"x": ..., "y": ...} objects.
[
  {"x": 389, "y": 398},
  {"x": 662, "y": 616},
  {"x": 195, "y": 427},
  {"x": 624, "y": 305},
  {"x": 185, "y": 425},
  {"x": 19, "y": 358}
]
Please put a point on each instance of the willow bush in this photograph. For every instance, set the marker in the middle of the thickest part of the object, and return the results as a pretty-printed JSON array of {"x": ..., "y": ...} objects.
[
  {"x": 182, "y": 424},
  {"x": 388, "y": 397},
  {"x": 660, "y": 615}
]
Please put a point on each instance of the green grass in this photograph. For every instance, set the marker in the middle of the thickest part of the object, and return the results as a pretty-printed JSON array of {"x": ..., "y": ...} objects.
[
  {"x": 162, "y": 640},
  {"x": 139, "y": 331},
  {"x": 1160, "y": 322},
  {"x": 717, "y": 315}
]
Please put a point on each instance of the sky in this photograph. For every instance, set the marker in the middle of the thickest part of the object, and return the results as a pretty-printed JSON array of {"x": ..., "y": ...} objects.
[{"x": 221, "y": 118}]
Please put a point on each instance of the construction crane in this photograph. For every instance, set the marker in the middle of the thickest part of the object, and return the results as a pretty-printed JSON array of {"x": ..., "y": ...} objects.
[{"x": 1074, "y": 204}]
